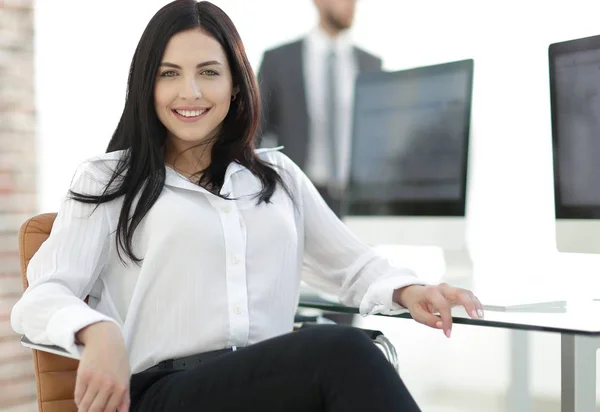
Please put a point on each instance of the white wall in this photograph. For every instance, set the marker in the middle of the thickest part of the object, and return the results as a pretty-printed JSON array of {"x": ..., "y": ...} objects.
[{"x": 83, "y": 50}]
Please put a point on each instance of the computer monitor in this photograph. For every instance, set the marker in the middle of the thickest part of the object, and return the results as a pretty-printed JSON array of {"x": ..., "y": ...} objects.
[
  {"x": 575, "y": 107},
  {"x": 408, "y": 168}
]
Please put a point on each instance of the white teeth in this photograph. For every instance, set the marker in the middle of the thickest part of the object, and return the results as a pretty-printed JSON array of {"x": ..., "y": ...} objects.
[{"x": 190, "y": 113}]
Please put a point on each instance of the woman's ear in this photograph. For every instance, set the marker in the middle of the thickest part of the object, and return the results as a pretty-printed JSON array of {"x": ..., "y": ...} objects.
[{"x": 234, "y": 93}]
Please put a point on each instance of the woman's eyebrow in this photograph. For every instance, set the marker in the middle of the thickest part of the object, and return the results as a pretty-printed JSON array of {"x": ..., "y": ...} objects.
[{"x": 199, "y": 65}]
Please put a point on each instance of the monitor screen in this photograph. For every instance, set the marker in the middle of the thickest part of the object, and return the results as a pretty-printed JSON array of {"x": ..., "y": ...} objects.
[
  {"x": 575, "y": 103},
  {"x": 410, "y": 142}
]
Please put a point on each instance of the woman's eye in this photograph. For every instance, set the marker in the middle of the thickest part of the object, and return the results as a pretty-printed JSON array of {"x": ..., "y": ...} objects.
[{"x": 171, "y": 73}]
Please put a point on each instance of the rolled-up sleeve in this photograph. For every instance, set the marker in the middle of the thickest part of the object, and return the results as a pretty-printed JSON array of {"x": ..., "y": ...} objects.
[
  {"x": 65, "y": 268},
  {"x": 338, "y": 262}
]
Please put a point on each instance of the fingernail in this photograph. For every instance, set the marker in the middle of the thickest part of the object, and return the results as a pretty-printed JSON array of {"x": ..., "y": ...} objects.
[
  {"x": 438, "y": 325},
  {"x": 448, "y": 333},
  {"x": 480, "y": 313}
]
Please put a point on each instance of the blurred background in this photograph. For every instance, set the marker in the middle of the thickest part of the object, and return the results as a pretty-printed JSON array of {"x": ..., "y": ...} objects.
[{"x": 63, "y": 72}]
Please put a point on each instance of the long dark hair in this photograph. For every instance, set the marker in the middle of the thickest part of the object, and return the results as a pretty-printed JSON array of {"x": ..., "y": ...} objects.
[{"x": 141, "y": 170}]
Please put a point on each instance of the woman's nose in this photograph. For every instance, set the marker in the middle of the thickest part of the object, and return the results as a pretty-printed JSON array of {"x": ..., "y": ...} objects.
[{"x": 191, "y": 90}]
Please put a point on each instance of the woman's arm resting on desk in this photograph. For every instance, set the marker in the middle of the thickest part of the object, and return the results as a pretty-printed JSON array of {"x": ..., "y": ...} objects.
[
  {"x": 362, "y": 278},
  {"x": 424, "y": 301}
]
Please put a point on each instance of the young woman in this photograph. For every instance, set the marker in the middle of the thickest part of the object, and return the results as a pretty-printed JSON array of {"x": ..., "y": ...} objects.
[{"x": 190, "y": 244}]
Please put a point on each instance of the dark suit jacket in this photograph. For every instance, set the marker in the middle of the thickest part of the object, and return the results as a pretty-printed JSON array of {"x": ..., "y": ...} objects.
[{"x": 285, "y": 112}]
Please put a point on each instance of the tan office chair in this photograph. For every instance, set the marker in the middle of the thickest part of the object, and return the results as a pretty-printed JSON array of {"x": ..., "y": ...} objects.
[{"x": 55, "y": 375}]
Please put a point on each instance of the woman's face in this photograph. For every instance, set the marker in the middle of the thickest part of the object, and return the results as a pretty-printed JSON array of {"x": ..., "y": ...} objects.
[{"x": 193, "y": 88}]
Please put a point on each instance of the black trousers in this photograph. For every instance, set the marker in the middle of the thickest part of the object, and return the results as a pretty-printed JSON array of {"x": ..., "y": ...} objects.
[{"x": 320, "y": 368}]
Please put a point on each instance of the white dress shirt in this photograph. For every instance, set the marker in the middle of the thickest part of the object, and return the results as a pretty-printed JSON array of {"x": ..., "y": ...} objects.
[
  {"x": 215, "y": 272},
  {"x": 317, "y": 46}
]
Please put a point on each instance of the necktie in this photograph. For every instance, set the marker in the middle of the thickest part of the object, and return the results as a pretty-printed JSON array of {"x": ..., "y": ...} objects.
[{"x": 331, "y": 115}]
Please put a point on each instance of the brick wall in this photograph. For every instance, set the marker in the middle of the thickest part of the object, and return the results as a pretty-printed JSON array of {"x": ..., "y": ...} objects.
[{"x": 17, "y": 191}]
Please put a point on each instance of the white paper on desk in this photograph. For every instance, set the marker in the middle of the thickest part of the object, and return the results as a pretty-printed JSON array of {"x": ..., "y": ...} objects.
[
  {"x": 509, "y": 296},
  {"x": 524, "y": 305},
  {"x": 57, "y": 350}
]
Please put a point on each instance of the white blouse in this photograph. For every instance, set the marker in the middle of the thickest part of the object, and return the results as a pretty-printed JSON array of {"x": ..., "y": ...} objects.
[{"x": 215, "y": 272}]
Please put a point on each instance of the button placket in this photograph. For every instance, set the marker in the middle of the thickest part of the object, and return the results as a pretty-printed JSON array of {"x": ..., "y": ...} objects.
[{"x": 235, "y": 268}]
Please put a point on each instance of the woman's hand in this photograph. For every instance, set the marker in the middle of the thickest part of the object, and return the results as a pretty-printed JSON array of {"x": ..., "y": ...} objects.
[
  {"x": 103, "y": 374},
  {"x": 424, "y": 301}
]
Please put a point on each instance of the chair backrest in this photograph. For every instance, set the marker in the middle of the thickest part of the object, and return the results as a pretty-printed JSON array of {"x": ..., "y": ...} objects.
[{"x": 55, "y": 375}]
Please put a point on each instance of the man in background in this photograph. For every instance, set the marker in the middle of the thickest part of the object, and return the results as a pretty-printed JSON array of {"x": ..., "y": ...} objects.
[{"x": 307, "y": 88}]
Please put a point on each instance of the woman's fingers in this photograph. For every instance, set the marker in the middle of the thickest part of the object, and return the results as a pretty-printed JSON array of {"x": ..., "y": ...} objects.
[
  {"x": 88, "y": 398},
  {"x": 115, "y": 399},
  {"x": 422, "y": 315},
  {"x": 465, "y": 298},
  {"x": 435, "y": 297},
  {"x": 125, "y": 402}
]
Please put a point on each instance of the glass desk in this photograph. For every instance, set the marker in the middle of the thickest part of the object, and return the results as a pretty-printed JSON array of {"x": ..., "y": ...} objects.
[{"x": 578, "y": 325}]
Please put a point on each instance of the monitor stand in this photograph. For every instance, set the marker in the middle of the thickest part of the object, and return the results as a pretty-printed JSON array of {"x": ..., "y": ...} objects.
[{"x": 578, "y": 235}]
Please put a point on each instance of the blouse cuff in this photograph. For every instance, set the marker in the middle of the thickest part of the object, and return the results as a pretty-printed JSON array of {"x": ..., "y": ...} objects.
[
  {"x": 66, "y": 322},
  {"x": 378, "y": 299}
]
